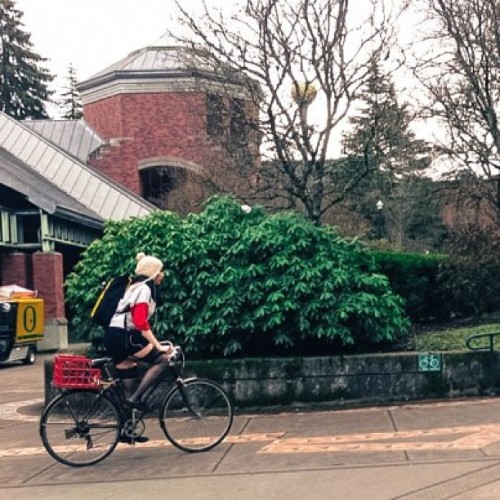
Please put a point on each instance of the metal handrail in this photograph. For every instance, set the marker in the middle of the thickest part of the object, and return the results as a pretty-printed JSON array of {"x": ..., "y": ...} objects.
[{"x": 491, "y": 341}]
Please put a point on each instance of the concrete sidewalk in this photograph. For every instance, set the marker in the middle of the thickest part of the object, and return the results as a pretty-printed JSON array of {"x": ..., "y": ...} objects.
[{"x": 415, "y": 451}]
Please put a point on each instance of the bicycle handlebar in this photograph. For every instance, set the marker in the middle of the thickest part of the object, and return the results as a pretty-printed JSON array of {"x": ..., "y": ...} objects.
[{"x": 177, "y": 354}]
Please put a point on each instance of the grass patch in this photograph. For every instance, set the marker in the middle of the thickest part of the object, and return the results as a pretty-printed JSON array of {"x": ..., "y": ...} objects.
[{"x": 454, "y": 339}]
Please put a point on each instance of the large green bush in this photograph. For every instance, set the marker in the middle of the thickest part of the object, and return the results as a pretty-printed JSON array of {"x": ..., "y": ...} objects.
[{"x": 247, "y": 283}]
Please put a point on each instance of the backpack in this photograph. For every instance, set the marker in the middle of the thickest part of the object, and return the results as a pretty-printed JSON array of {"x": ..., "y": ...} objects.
[{"x": 107, "y": 301}]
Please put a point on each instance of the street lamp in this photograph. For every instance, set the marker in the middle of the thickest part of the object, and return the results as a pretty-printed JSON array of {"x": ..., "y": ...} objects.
[
  {"x": 304, "y": 94},
  {"x": 379, "y": 219}
]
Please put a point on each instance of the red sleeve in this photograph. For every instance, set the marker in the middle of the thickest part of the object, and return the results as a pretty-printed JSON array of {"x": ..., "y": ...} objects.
[{"x": 140, "y": 316}]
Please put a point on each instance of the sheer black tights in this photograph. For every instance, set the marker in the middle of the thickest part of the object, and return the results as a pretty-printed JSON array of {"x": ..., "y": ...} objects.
[
  {"x": 128, "y": 385},
  {"x": 128, "y": 378},
  {"x": 153, "y": 373}
]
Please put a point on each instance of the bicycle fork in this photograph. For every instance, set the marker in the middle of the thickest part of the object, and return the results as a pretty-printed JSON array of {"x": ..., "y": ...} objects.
[{"x": 180, "y": 384}]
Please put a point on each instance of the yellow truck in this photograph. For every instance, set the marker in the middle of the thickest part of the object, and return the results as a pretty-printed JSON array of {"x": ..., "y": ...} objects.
[{"x": 21, "y": 327}]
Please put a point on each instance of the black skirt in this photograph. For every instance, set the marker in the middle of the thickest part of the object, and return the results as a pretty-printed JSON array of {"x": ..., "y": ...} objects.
[{"x": 121, "y": 343}]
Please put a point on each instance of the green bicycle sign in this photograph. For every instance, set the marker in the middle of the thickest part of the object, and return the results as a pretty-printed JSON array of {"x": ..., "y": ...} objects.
[{"x": 429, "y": 362}]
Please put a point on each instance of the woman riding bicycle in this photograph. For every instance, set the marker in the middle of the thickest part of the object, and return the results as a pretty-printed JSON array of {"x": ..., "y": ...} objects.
[{"x": 129, "y": 337}]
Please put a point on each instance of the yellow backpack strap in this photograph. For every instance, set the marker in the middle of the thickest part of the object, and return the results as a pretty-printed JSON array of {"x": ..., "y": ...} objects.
[{"x": 99, "y": 299}]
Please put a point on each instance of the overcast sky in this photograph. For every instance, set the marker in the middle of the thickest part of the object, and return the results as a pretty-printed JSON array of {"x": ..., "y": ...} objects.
[{"x": 92, "y": 34}]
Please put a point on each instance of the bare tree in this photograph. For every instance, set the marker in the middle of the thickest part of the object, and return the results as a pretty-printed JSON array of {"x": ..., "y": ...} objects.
[
  {"x": 308, "y": 59},
  {"x": 461, "y": 71}
]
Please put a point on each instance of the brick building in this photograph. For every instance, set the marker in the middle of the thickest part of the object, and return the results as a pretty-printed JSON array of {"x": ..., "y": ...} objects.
[
  {"x": 164, "y": 127},
  {"x": 175, "y": 126}
]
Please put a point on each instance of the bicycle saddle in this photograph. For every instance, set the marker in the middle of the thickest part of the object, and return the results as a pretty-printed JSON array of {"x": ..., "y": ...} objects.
[{"x": 100, "y": 362}]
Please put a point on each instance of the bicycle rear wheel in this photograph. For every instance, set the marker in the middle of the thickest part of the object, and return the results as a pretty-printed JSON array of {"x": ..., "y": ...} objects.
[
  {"x": 196, "y": 416},
  {"x": 80, "y": 428}
]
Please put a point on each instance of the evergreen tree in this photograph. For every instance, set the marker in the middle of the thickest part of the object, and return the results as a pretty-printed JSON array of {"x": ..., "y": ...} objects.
[
  {"x": 381, "y": 132},
  {"x": 382, "y": 140},
  {"x": 23, "y": 82},
  {"x": 70, "y": 102}
]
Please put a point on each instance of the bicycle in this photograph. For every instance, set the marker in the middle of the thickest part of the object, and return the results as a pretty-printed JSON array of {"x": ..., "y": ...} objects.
[{"x": 84, "y": 423}]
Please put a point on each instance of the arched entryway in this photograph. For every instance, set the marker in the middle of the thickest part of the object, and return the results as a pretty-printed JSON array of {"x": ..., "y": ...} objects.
[{"x": 173, "y": 184}]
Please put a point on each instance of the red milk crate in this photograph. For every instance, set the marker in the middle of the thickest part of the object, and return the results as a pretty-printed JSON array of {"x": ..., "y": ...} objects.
[{"x": 75, "y": 372}]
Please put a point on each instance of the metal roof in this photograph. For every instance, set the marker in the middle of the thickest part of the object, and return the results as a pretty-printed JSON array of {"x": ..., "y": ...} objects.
[
  {"x": 38, "y": 190},
  {"x": 86, "y": 186},
  {"x": 74, "y": 136},
  {"x": 162, "y": 62}
]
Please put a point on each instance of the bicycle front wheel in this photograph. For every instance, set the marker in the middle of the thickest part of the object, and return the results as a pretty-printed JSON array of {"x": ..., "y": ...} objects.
[
  {"x": 196, "y": 415},
  {"x": 80, "y": 428}
]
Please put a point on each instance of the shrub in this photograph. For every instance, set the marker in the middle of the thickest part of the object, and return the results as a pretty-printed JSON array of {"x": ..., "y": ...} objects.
[
  {"x": 415, "y": 277},
  {"x": 246, "y": 283},
  {"x": 470, "y": 278}
]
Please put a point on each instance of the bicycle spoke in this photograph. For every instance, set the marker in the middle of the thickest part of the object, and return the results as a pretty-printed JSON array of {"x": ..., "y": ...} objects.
[
  {"x": 80, "y": 428},
  {"x": 196, "y": 416}
]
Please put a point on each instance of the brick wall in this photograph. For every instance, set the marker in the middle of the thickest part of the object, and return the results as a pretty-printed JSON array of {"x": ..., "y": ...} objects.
[
  {"x": 48, "y": 279},
  {"x": 152, "y": 125},
  {"x": 16, "y": 269},
  {"x": 105, "y": 117}
]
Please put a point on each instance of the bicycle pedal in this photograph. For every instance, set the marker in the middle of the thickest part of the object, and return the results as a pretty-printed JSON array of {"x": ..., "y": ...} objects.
[{"x": 137, "y": 406}]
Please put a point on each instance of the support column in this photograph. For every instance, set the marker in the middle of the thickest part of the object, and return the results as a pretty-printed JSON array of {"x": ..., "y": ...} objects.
[
  {"x": 48, "y": 279},
  {"x": 16, "y": 269}
]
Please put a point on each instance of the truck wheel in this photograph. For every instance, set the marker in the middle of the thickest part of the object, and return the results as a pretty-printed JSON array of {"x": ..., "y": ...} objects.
[{"x": 30, "y": 356}]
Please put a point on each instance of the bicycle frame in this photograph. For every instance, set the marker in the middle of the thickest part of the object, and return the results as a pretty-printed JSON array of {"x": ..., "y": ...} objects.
[
  {"x": 104, "y": 409},
  {"x": 113, "y": 388}
]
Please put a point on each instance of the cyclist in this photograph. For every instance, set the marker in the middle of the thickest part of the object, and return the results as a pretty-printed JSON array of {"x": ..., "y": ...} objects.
[{"x": 129, "y": 337}]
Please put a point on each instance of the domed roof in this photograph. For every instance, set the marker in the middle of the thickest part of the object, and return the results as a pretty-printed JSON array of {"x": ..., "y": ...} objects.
[{"x": 163, "y": 62}]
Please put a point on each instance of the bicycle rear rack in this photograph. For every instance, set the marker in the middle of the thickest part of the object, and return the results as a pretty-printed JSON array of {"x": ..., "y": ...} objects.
[{"x": 490, "y": 346}]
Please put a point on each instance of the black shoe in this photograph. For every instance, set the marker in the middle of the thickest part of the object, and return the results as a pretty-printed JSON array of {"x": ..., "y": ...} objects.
[
  {"x": 130, "y": 440},
  {"x": 138, "y": 405}
]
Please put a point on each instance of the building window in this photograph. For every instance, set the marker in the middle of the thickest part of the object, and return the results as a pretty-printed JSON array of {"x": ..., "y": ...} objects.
[
  {"x": 237, "y": 126},
  {"x": 158, "y": 182},
  {"x": 215, "y": 115}
]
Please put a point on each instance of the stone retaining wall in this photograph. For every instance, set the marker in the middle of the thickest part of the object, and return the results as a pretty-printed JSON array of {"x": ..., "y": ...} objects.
[{"x": 358, "y": 379}]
